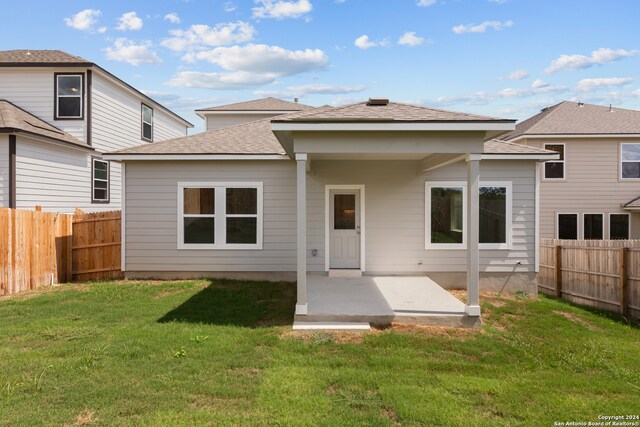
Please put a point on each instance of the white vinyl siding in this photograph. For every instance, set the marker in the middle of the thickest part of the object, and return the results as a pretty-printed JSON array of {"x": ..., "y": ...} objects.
[
  {"x": 4, "y": 171},
  {"x": 32, "y": 89},
  {"x": 592, "y": 183}
]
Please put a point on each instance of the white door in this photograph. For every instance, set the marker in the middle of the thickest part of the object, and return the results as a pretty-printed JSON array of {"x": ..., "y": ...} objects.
[{"x": 344, "y": 229}]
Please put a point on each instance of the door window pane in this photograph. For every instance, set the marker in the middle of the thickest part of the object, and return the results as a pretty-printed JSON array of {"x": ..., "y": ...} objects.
[
  {"x": 593, "y": 226},
  {"x": 446, "y": 215},
  {"x": 344, "y": 211},
  {"x": 619, "y": 226},
  {"x": 242, "y": 201},
  {"x": 242, "y": 230},
  {"x": 199, "y": 230},
  {"x": 493, "y": 215},
  {"x": 199, "y": 201},
  {"x": 568, "y": 226}
]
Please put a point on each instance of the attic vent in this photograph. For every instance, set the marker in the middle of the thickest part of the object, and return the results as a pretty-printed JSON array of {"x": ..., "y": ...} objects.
[{"x": 378, "y": 101}]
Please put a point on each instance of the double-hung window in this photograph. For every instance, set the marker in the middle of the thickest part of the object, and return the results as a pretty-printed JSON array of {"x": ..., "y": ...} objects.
[
  {"x": 619, "y": 226},
  {"x": 630, "y": 161},
  {"x": 146, "y": 115},
  {"x": 99, "y": 181},
  {"x": 554, "y": 169},
  {"x": 220, "y": 215},
  {"x": 567, "y": 226},
  {"x": 446, "y": 215},
  {"x": 593, "y": 226},
  {"x": 69, "y": 96}
]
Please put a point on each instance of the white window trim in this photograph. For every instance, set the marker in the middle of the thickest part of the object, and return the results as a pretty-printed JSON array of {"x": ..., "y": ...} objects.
[
  {"x": 584, "y": 228},
  {"x": 564, "y": 163},
  {"x": 578, "y": 228},
  {"x": 94, "y": 179},
  {"x": 628, "y": 215},
  {"x": 628, "y": 161},
  {"x": 221, "y": 225},
  {"x": 458, "y": 246},
  {"x": 58, "y": 96}
]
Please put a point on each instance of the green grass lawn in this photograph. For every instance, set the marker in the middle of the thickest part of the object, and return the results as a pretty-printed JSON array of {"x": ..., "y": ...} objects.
[{"x": 223, "y": 353}]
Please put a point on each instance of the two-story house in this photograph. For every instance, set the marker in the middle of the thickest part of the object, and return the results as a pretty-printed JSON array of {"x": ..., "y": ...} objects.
[
  {"x": 58, "y": 114},
  {"x": 592, "y": 191}
]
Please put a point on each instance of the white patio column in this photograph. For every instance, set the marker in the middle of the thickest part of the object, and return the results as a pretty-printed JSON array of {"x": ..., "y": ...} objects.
[
  {"x": 473, "y": 234},
  {"x": 301, "y": 173}
]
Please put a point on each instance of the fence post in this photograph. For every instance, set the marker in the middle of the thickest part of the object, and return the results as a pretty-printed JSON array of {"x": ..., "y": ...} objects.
[
  {"x": 558, "y": 270},
  {"x": 624, "y": 288}
]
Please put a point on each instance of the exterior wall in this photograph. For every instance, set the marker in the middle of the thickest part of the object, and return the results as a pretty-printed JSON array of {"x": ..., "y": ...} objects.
[
  {"x": 591, "y": 184},
  {"x": 4, "y": 171},
  {"x": 217, "y": 121},
  {"x": 116, "y": 118},
  {"x": 395, "y": 204},
  {"x": 57, "y": 178},
  {"x": 32, "y": 89}
]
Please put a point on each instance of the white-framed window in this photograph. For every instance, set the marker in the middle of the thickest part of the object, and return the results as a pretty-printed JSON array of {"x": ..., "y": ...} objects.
[
  {"x": 630, "y": 160},
  {"x": 593, "y": 226},
  {"x": 146, "y": 117},
  {"x": 619, "y": 226},
  {"x": 220, "y": 215},
  {"x": 567, "y": 226},
  {"x": 69, "y": 96},
  {"x": 554, "y": 169},
  {"x": 446, "y": 215},
  {"x": 100, "y": 177}
]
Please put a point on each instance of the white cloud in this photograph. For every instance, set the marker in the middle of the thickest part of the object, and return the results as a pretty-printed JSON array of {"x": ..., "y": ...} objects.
[
  {"x": 539, "y": 84},
  {"x": 260, "y": 58},
  {"x": 498, "y": 1},
  {"x": 172, "y": 17},
  {"x": 270, "y": 9},
  {"x": 588, "y": 85},
  {"x": 426, "y": 3},
  {"x": 410, "y": 39},
  {"x": 516, "y": 75},
  {"x": 221, "y": 81},
  {"x": 481, "y": 28},
  {"x": 102, "y": 30},
  {"x": 477, "y": 98},
  {"x": 312, "y": 89},
  {"x": 125, "y": 50},
  {"x": 598, "y": 57},
  {"x": 537, "y": 87},
  {"x": 83, "y": 20},
  {"x": 129, "y": 21},
  {"x": 363, "y": 42},
  {"x": 198, "y": 37},
  {"x": 229, "y": 7}
]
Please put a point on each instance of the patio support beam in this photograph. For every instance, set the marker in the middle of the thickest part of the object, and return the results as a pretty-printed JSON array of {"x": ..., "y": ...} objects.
[
  {"x": 473, "y": 234},
  {"x": 301, "y": 174}
]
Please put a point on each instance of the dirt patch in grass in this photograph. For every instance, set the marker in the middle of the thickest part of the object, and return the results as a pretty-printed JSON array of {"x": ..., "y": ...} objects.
[
  {"x": 84, "y": 418},
  {"x": 219, "y": 403},
  {"x": 573, "y": 318},
  {"x": 325, "y": 337},
  {"x": 392, "y": 416},
  {"x": 442, "y": 331},
  {"x": 46, "y": 289}
]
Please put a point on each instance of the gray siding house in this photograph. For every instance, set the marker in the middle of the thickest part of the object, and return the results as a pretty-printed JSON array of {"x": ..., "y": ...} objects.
[
  {"x": 59, "y": 113},
  {"x": 371, "y": 189},
  {"x": 592, "y": 190}
]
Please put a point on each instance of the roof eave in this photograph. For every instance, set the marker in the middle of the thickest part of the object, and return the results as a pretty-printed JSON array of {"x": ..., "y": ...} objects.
[
  {"x": 485, "y": 126},
  {"x": 48, "y": 139},
  {"x": 123, "y": 157}
]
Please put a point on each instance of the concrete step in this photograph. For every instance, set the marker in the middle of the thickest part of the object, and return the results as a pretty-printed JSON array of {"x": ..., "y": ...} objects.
[
  {"x": 331, "y": 326},
  {"x": 345, "y": 272}
]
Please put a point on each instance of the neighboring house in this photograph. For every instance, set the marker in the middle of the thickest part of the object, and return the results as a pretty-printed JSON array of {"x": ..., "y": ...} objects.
[
  {"x": 376, "y": 187},
  {"x": 243, "y": 112},
  {"x": 592, "y": 191},
  {"x": 58, "y": 114}
]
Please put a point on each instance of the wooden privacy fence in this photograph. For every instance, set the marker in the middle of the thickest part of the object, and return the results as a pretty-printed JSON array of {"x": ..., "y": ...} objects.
[
  {"x": 43, "y": 248},
  {"x": 600, "y": 273}
]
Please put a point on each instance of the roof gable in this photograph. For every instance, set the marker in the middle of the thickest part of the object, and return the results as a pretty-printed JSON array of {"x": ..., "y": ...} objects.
[{"x": 263, "y": 104}]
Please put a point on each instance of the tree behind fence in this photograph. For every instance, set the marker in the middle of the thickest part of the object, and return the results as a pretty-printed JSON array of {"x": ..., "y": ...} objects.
[
  {"x": 44, "y": 248},
  {"x": 600, "y": 273}
]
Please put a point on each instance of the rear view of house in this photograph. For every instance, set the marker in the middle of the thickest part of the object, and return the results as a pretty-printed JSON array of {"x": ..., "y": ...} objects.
[
  {"x": 592, "y": 190},
  {"x": 58, "y": 114}
]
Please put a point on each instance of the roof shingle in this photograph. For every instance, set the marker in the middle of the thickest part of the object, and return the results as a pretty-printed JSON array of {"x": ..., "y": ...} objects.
[
  {"x": 23, "y": 56},
  {"x": 14, "y": 117},
  {"x": 264, "y": 104}
]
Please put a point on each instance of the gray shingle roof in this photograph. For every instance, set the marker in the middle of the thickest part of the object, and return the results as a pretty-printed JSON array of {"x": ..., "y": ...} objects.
[
  {"x": 22, "y": 56},
  {"x": 264, "y": 104},
  {"x": 571, "y": 118},
  {"x": 393, "y": 111},
  {"x": 15, "y": 118},
  {"x": 496, "y": 146},
  {"x": 633, "y": 204}
]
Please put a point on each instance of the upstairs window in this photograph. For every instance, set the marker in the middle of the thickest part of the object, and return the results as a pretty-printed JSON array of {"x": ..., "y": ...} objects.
[
  {"x": 630, "y": 161},
  {"x": 147, "y": 123},
  {"x": 69, "y": 96},
  {"x": 554, "y": 169},
  {"x": 100, "y": 181}
]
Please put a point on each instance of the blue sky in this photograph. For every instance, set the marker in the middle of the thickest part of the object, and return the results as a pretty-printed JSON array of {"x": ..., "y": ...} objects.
[{"x": 506, "y": 58}]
